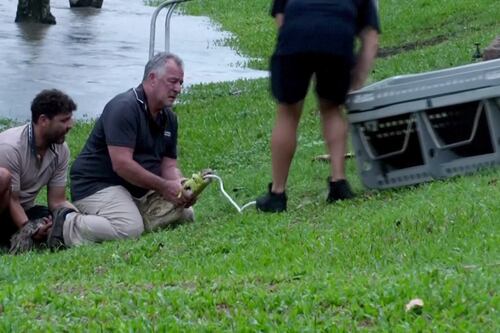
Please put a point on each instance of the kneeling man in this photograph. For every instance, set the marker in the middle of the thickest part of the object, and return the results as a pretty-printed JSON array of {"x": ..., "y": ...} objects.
[
  {"x": 128, "y": 163},
  {"x": 33, "y": 156}
]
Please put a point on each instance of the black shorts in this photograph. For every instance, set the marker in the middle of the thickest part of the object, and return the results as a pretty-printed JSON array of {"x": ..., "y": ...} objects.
[
  {"x": 291, "y": 74},
  {"x": 8, "y": 228}
]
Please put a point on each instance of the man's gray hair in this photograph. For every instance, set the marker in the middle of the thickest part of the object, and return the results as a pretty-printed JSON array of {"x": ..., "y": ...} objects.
[{"x": 157, "y": 63}]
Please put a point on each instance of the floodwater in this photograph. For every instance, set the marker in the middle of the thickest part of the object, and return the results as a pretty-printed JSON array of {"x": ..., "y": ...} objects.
[{"x": 93, "y": 54}]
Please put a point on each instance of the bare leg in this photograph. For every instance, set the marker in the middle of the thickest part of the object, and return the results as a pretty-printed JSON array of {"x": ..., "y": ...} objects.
[
  {"x": 284, "y": 143},
  {"x": 335, "y": 135},
  {"x": 4, "y": 189}
]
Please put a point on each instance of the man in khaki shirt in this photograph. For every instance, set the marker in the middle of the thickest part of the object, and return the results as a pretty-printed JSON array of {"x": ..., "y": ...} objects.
[{"x": 33, "y": 156}]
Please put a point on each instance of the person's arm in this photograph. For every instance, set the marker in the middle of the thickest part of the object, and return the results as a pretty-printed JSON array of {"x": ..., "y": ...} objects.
[
  {"x": 10, "y": 159},
  {"x": 56, "y": 187},
  {"x": 365, "y": 57},
  {"x": 20, "y": 218},
  {"x": 170, "y": 170},
  {"x": 280, "y": 19},
  {"x": 56, "y": 198},
  {"x": 126, "y": 167},
  {"x": 278, "y": 12},
  {"x": 17, "y": 212}
]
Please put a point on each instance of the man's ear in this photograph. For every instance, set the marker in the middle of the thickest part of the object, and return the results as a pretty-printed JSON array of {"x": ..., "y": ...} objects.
[
  {"x": 43, "y": 120},
  {"x": 153, "y": 78}
]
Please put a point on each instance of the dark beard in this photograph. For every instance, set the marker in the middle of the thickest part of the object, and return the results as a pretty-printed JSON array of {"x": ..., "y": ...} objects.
[{"x": 56, "y": 139}]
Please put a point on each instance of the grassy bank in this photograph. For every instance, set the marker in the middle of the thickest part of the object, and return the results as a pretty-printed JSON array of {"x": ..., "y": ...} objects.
[{"x": 346, "y": 267}]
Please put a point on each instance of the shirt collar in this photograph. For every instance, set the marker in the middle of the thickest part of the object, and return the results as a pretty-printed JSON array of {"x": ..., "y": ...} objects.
[
  {"x": 161, "y": 121},
  {"x": 32, "y": 142},
  {"x": 31, "y": 139},
  {"x": 140, "y": 96}
]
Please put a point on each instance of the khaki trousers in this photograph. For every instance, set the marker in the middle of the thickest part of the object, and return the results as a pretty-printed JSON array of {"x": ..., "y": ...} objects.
[{"x": 112, "y": 213}]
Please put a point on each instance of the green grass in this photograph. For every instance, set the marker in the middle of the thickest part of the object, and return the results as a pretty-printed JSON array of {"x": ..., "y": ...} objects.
[
  {"x": 402, "y": 21},
  {"x": 346, "y": 267}
]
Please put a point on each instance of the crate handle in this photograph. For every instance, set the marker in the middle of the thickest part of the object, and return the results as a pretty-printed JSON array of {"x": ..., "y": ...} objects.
[
  {"x": 373, "y": 156},
  {"x": 475, "y": 126}
]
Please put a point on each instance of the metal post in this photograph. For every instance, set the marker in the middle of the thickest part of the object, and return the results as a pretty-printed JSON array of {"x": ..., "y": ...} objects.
[
  {"x": 171, "y": 4},
  {"x": 167, "y": 26}
]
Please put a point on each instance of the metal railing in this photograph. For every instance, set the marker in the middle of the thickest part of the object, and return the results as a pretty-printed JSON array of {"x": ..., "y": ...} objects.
[{"x": 170, "y": 6}]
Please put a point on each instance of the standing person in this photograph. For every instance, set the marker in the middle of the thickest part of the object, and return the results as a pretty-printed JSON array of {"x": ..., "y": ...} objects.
[
  {"x": 132, "y": 150},
  {"x": 316, "y": 38},
  {"x": 33, "y": 156}
]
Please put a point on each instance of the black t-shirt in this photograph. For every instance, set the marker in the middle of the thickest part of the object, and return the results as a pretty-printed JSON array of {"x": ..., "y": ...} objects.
[
  {"x": 323, "y": 26},
  {"x": 125, "y": 122}
]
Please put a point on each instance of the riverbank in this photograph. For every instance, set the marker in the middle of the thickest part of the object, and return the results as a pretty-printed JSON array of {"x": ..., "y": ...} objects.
[
  {"x": 346, "y": 267},
  {"x": 93, "y": 54}
]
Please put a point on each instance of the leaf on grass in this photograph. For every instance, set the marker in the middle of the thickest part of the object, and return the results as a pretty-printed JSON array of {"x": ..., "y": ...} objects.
[{"x": 415, "y": 305}]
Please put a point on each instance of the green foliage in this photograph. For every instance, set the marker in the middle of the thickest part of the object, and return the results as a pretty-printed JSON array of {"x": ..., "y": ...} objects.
[
  {"x": 6, "y": 123},
  {"x": 350, "y": 266}
]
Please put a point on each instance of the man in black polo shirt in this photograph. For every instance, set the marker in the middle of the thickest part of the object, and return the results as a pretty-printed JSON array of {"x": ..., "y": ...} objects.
[
  {"x": 317, "y": 38},
  {"x": 131, "y": 151}
]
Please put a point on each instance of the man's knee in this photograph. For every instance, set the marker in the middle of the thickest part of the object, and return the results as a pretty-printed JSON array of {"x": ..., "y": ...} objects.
[
  {"x": 131, "y": 227},
  {"x": 136, "y": 231},
  {"x": 5, "y": 180},
  {"x": 327, "y": 106}
]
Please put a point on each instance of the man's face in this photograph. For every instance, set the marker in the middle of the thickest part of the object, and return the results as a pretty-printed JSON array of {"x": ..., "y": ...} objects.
[
  {"x": 169, "y": 85},
  {"x": 57, "y": 128}
]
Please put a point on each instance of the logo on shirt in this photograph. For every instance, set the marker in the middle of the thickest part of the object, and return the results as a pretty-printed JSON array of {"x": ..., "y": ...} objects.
[{"x": 167, "y": 134}]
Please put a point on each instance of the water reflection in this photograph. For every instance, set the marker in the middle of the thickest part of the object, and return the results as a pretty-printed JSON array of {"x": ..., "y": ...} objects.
[
  {"x": 94, "y": 54},
  {"x": 33, "y": 33}
]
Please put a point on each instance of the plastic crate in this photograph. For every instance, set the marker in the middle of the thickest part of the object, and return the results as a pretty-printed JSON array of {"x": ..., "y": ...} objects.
[{"x": 415, "y": 128}]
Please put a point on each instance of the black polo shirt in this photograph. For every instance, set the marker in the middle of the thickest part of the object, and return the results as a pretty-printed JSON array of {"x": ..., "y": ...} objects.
[
  {"x": 125, "y": 122},
  {"x": 323, "y": 26}
]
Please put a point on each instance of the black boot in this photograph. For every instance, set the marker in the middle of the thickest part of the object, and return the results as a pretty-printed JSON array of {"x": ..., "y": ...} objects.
[
  {"x": 339, "y": 190},
  {"x": 55, "y": 241},
  {"x": 272, "y": 202}
]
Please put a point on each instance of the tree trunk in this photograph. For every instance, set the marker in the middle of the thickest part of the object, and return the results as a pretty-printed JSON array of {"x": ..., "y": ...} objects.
[
  {"x": 86, "y": 3},
  {"x": 34, "y": 11}
]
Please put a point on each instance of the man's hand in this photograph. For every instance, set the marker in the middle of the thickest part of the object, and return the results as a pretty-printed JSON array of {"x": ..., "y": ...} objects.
[
  {"x": 170, "y": 190},
  {"x": 30, "y": 235},
  {"x": 189, "y": 198},
  {"x": 44, "y": 230},
  {"x": 174, "y": 192},
  {"x": 192, "y": 187}
]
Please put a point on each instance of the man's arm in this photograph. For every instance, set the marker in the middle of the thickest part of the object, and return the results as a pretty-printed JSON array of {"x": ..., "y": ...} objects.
[
  {"x": 170, "y": 170},
  {"x": 279, "y": 19},
  {"x": 278, "y": 11},
  {"x": 365, "y": 57},
  {"x": 126, "y": 167},
  {"x": 11, "y": 160},
  {"x": 56, "y": 198},
  {"x": 20, "y": 218},
  {"x": 17, "y": 212}
]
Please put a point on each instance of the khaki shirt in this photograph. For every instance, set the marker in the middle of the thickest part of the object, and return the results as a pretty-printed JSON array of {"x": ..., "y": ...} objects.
[{"x": 29, "y": 175}]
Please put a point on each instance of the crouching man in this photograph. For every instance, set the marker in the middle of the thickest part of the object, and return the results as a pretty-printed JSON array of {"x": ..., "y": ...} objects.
[
  {"x": 33, "y": 156},
  {"x": 128, "y": 167}
]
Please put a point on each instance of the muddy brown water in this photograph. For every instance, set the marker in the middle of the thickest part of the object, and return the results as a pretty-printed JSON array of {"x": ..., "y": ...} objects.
[{"x": 93, "y": 54}]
